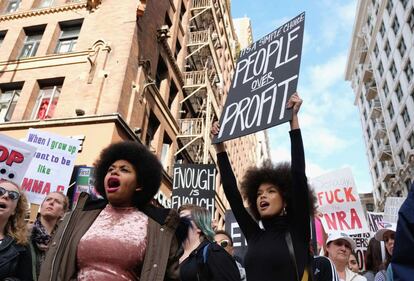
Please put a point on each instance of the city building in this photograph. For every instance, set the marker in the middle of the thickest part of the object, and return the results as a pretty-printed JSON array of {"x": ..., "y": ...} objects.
[
  {"x": 367, "y": 201},
  {"x": 156, "y": 72},
  {"x": 380, "y": 67}
]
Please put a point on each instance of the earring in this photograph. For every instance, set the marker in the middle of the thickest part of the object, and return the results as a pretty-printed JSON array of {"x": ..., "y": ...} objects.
[{"x": 284, "y": 212}]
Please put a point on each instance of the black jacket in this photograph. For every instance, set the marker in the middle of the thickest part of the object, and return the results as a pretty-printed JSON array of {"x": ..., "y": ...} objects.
[{"x": 15, "y": 261}]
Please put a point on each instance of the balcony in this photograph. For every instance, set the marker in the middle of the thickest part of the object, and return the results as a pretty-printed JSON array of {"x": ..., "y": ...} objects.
[
  {"x": 379, "y": 130},
  {"x": 375, "y": 109},
  {"x": 191, "y": 127},
  {"x": 385, "y": 152},
  {"x": 371, "y": 90},
  {"x": 367, "y": 74},
  {"x": 363, "y": 54},
  {"x": 388, "y": 172},
  {"x": 201, "y": 4}
]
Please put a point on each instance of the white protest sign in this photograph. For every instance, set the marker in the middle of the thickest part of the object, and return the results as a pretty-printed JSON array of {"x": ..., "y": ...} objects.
[
  {"x": 15, "y": 157},
  {"x": 392, "y": 206},
  {"x": 52, "y": 165},
  {"x": 339, "y": 203},
  {"x": 374, "y": 220}
]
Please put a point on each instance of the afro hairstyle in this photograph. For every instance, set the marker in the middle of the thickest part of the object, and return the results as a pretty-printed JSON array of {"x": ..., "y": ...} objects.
[
  {"x": 279, "y": 175},
  {"x": 146, "y": 165}
]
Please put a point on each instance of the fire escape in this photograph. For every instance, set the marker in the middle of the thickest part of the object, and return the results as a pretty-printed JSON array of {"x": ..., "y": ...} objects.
[{"x": 200, "y": 78}]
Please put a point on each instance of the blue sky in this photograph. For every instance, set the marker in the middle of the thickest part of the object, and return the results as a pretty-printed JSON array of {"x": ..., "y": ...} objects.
[{"x": 329, "y": 119}]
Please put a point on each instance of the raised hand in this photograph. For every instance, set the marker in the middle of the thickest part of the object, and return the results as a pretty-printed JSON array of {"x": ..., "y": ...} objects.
[
  {"x": 215, "y": 129},
  {"x": 295, "y": 103}
]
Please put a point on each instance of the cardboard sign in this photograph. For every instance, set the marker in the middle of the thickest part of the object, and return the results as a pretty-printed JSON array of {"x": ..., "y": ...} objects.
[
  {"x": 374, "y": 221},
  {"x": 361, "y": 240},
  {"x": 85, "y": 182},
  {"x": 239, "y": 241},
  {"x": 15, "y": 157},
  {"x": 52, "y": 164},
  {"x": 392, "y": 206},
  {"x": 339, "y": 203},
  {"x": 194, "y": 184},
  {"x": 266, "y": 76}
]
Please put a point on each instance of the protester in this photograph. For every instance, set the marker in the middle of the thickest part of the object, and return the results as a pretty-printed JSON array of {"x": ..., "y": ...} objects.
[
  {"x": 15, "y": 257},
  {"x": 373, "y": 259},
  {"x": 323, "y": 269},
  {"x": 204, "y": 260},
  {"x": 224, "y": 240},
  {"x": 278, "y": 196},
  {"x": 402, "y": 259},
  {"x": 386, "y": 234},
  {"x": 51, "y": 212},
  {"x": 120, "y": 237},
  {"x": 353, "y": 262},
  {"x": 338, "y": 248}
]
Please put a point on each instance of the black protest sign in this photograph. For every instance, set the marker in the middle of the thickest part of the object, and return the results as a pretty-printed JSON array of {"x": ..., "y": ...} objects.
[
  {"x": 194, "y": 184},
  {"x": 239, "y": 241},
  {"x": 374, "y": 220},
  {"x": 266, "y": 76}
]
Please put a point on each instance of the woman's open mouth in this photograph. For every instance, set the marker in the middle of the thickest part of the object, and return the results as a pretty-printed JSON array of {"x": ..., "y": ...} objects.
[
  {"x": 3, "y": 205},
  {"x": 263, "y": 205},
  {"x": 113, "y": 185}
]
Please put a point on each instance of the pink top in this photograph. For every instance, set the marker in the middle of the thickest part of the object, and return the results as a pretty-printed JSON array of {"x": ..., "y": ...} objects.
[{"x": 114, "y": 246}]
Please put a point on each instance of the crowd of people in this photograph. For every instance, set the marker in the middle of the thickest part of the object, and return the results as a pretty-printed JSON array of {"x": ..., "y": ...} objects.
[{"x": 123, "y": 236}]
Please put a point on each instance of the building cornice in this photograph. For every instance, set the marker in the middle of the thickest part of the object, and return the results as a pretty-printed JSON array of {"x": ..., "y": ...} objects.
[
  {"x": 44, "y": 11},
  {"x": 71, "y": 121}
]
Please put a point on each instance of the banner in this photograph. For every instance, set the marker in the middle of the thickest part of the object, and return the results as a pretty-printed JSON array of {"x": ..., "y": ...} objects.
[
  {"x": 194, "y": 184},
  {"x": 266, "y": 76},
  {"x": 339, "y": 203},
  {"x": 15, "y": 157},
  {"x": 52, "y": 164},
  {"x": 392, "y": 206},
  {"x": 239, "y": 241}
]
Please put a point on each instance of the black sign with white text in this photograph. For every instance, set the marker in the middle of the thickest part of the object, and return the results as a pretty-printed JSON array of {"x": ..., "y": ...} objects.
[
  {"x": 194, "y": 184},
  {"x": 239, "y": 241},
  {"x": 266, "y": 76}
]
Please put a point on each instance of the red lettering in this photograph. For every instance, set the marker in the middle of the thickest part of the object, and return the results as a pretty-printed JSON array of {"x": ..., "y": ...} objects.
[
  {"x": 320, "y": 194},
  {"x": 355, "y": 219},
  {"x": 37, "y": 186},
  {"x": 341, "y": 218},
  {"x": 331, "y": 221},
  {"x": 348, "y": 194},
  {"x": 337, "y": 197},
  {"x": 46, "y": 190},
  {"x": 60, "y": 188},
  {"x": 13, "y": 157},
  {"x": 329, "y": 197},
  {"x": 27, "y": 184}
]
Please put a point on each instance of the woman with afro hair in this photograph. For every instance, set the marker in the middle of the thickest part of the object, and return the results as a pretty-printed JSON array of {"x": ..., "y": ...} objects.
[
  {"x": 123, "y": 236},
  {"x": 278, "y": 196}
]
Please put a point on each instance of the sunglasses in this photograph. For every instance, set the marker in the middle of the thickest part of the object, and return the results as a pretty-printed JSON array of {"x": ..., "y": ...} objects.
[
  {"x": 224, "y": 243},
  {"x": 13, "y": 195}
]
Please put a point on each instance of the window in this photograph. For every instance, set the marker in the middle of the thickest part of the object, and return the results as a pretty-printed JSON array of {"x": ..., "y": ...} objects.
[
  {"x": 165, "y": 159},
  {"x": 395, "y": 25},
  {"x": 387, "y": 48},
  {"x": 399, "y": 92},
  {"x": 31, "y": 42},
  {"x": 376, "y": 171},
  {"x": 13, "y": 6},
  {"x": 404, "y": 3},
  {"x": 153, "y": 125},
  {"x": 389, "y": 7},
  {"x": 411, "y": 19},
  {"x": 396, "y": 134},
  {"x": 369, "y": 132},
  {"x": 385, "y": 89},
  {"x": 380, "y": 68},
  {"x": 411, "y": 140},
  {"x": 172, "y": 95},
  {"x": 2, "y": 35},
  {"x": 393, "y": 70},
  {"x": 401, "y": 47},
  {"x": 401, "y": 155},
  {"x": 372, "y": 151},
  {"x": 405, "y": 117},
  {"x": 409, "y": 72},
  {"x": 9, "y": 94},
  {"x": 45, "y": 3},
  {"x": 177, "y": 49},
  {"x": 376, "y": 50},
  {"x": 162, "y": 72},
  {"x": 382, "y": 29},
  {"x": 69, "y": 33},
  {"x": 47, "y": 100},
  {"x": 365, "y": 115},
  {"x": 391, "y": 110},
  {"x": 182, "y": 11}
]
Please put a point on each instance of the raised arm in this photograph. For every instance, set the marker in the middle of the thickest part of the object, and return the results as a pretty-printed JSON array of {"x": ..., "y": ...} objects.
[
  {"x": 245, "y": 221},
  {"x": 299, "y": 216}
]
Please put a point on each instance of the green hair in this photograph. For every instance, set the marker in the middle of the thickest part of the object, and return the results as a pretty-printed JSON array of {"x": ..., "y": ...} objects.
[{"x": 202, "y": 219}]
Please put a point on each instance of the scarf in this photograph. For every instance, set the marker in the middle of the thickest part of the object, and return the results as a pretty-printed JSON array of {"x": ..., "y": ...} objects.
[{"x": 40, "y": 235}]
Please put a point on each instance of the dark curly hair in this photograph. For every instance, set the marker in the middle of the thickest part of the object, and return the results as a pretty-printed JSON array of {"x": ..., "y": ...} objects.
[
  {"x": 146, "y": 165},
  {"x": 278, "y": 175}
]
